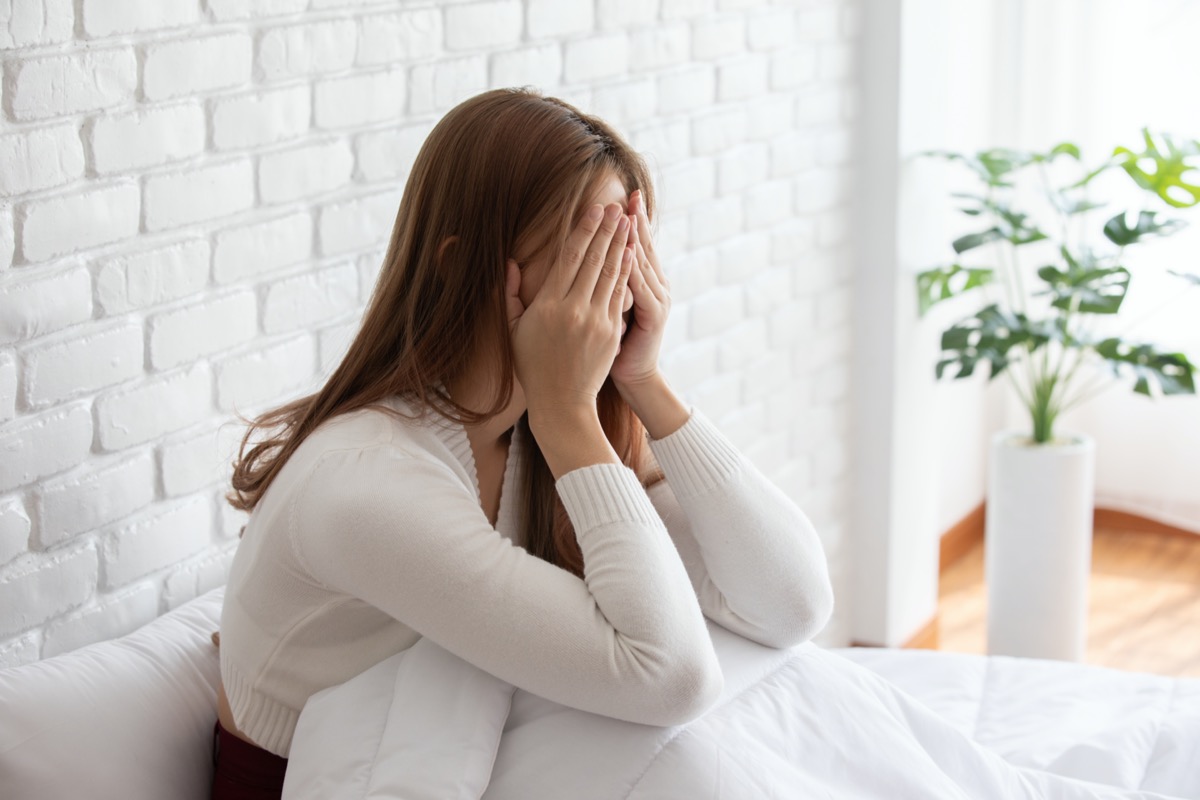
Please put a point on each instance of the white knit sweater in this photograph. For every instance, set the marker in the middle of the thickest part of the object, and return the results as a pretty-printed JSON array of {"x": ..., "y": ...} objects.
[{"x": 372, "y": 535}]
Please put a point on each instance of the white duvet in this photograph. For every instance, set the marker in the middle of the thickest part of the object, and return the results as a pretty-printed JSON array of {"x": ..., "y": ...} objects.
[{"x": 800, "y": 723}]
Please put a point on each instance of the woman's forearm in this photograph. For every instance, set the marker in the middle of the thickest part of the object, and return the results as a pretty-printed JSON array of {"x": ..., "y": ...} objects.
[{"x": 657, "y": 406}]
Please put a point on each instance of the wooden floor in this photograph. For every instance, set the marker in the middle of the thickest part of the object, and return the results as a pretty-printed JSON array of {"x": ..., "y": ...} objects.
[{"x": 1143, "y": 603}]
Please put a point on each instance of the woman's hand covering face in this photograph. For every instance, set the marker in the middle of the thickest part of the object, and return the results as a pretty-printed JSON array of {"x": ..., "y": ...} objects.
[{"x": 637, "y": 360}]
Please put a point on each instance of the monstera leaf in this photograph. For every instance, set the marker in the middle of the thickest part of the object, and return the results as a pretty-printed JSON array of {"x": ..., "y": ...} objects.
[
  {"x": 942, "y": 283},
  {"x": 1084, "y": 286},
  {"x": 1168, "y": 176},
  {"x": 989, "y": 336},
  {"x": 1171, "y": 373},
  {"x": 1121, "y": 234}
]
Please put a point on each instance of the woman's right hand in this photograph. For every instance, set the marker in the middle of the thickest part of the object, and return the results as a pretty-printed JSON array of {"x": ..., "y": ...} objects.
[{"x": 565, "y": 341}]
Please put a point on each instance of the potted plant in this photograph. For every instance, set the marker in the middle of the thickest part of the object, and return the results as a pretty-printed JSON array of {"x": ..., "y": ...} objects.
[{"x": 1045, "y": 330}]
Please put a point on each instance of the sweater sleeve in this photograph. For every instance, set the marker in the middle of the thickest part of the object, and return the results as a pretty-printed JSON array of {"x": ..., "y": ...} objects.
[
  {"x": 754, "y": 559},
  {"x": 403, "y": 534}
]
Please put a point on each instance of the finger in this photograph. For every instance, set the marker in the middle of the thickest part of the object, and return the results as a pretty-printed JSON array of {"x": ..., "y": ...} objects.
[
  {"x": 611, "y": 271},
  {"x": 643, "y": 224},
  {"x": 589, "y": 271},
  {"x": 655, "y": 284},
  {"x": 617, "y": 302},
  {"x": 512, "y": 291},
  {"x": 562, "y": 274}
]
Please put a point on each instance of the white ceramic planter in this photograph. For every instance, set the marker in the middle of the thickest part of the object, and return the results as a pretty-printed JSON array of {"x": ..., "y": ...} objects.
[{"x": 1038, "y": 545}]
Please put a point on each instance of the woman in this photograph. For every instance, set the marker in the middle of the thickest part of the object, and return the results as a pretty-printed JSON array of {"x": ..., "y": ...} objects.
[{"x": 480, "y": 468}]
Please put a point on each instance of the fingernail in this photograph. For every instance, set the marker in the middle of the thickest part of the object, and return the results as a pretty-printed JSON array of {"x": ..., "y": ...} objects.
[
  {"x": 623, "y": 224},
  {"x": 595, "y": 212},
  {"x": 612, "y": 212}
]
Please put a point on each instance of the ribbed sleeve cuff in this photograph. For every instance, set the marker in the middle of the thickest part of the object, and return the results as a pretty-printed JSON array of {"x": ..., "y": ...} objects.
[
  {"x": 604, "y": 493},
  {"x": 697, "y": 457}
]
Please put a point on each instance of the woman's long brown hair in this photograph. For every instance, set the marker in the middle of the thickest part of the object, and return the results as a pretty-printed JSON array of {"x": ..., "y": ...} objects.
[{"x": 501, "y": 176}]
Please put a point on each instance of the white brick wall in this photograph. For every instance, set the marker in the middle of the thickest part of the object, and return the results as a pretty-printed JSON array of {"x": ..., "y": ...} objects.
[{"x": 194, "y": 197}]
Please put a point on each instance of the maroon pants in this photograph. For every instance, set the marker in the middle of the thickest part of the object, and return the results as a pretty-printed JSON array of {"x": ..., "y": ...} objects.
[{"x": 244, "y": 771}]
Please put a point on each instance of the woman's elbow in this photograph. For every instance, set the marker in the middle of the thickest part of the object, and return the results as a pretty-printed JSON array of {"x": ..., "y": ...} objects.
[
  {"x": 694, "y": 688},
  {"x": 804, "y": 616}
]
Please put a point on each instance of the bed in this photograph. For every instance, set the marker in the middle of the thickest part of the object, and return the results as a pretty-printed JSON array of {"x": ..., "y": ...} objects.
[{"x": 133, "y": 718}]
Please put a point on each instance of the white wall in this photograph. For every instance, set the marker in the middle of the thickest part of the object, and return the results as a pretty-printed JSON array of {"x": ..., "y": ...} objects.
[{"x": 195, "y": 198}]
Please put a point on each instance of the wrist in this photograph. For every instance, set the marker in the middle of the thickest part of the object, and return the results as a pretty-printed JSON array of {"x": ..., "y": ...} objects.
[{"x": 661, "y": 411}]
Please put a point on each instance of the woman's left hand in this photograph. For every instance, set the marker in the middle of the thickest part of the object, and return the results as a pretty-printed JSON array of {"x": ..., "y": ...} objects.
[{"x": 637, "y": 362}]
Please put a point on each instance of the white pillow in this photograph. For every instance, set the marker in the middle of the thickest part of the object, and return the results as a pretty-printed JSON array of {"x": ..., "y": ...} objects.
[
  {"x": 130, "y": 718},
  {"x": 436, "y": 739}
]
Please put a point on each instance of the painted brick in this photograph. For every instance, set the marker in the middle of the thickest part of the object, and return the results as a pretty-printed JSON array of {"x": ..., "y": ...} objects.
[
  {"x": 626, "y": 13},
  {"x": 816, "y": 24},
  {"x": 741, "y": 167},
  {"x": 769, "y": 117},
  {"x": 659, "y": 46},
  {"x": 686, "y": 89},
  {"x": 312, "y": 49},
  {"x": 817, "y": 189},
  {"x": 154, "y": 408},
  {"x": 401, "y": 37},
  {"x": 792, "y": 241},
  {"x": 770, "y": 29},
  {"x": 740, "y": 258},
  {"x": 554, "y": 18},
  {"x": 196, "y": 65},
  {"x": 690, "y": 364},
  {"x": 687, "y": 183},
  {"x": 444, "y": 84},
  {"x": 36, "y": 307},
  {"x": 333, "y": 344},
  {"x": 817, "y": 106},
  {"x": 7, "y": 237},
  {"x": 792, "y": 68},
  {"x": 711, "y": 222},
  {"x": 716, "y": 311},
  {"x": 305, "y": 300},
  {"x": 624, "y": 103},
  {"x": 358, "y": 224},
  {"x": 104, "y": 17},
  {"x": 14, "y": 529},
  {"x": 540, "y": 65},
  {"x": 196, "y": 462},
  {"x": 792, "y": 323},
  {"x": 40, "y": 159},
  {"x": 714, "y": 38},
  {"x": 596, "y": 57},
  {"x": 122, "y": 142},
  {"x": 718, "y": 131},
  {"x": 210, "y": 326},
  {"x": 77, "y": 221},
  {"x": 88, "y": 498},
  {"x": 42, "y": 589},
  {"x": 768, "y": 290},
  {"x": 111, "y": 617},
  {"x": 157, "y": 541},
  {"x": 742, "y": 78},
  {"x": 682, "y": 9},
  {"x": 260, "y": 118},
  {"x": 663, "y": 143},
  {"x": 719, "y": 395},
  {"x": 36, "y": 22},
  {"x": 269, "y": 374},
  {"x": 304, "y": 171},
  {"x": 223, "y": 10},
  {"x": 201, "y": 194},
  {"x": 46, "y": 444},
  {"x": 767, "y": 203},
  {"x": 8, "y": 387},
  {"x": 141, "y": 280},
  {"x": 261, "y": 248},
  {"x": 69, "y": 84},
  {"x": 359, "y": 99},
  {"x": 793, "y": 152},
  {"x": 90, "y": 360},
  {"x": 389, "y": 154},
  {"x": 835, "y": 146},
  {"x": 477, "y": 25}
]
